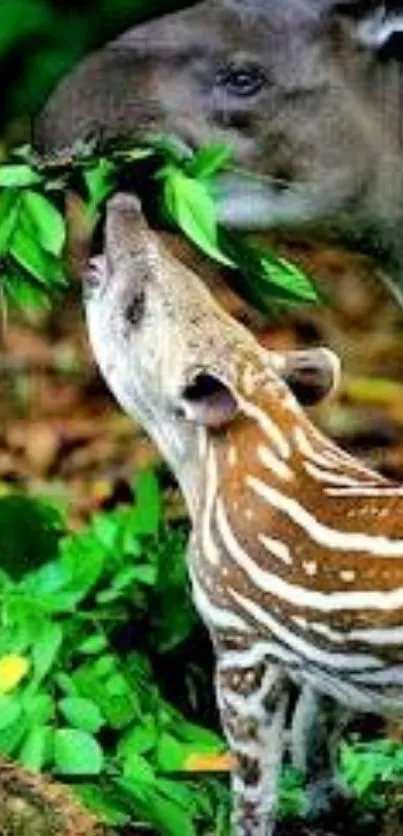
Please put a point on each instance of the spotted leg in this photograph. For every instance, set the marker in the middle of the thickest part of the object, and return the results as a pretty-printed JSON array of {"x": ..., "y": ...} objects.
[
  {"x": 252, "y": 703},
  {"x": 315, "y": 735}
]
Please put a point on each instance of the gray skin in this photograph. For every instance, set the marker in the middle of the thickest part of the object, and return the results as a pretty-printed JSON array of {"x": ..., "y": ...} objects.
[{"x": 308, "y": 93}]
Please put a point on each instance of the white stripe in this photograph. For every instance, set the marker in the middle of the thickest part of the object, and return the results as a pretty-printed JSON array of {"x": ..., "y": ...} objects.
[
  {"x": 273, "y": 463},
  {"x": 334, "y": 478},
  {"x": 307, "y": 450},
  {"x": 343, "y": 459},
  {"x": 377, "y": 636},
  {"x": 322, "y": 534},
  {"x": 299, "y": 596},
  {"x": 393, "y": 675},
  {"x": 216, "y": 617},
  {"x": 366, "y": 490},
  {"x": 342, "y": 661},
  {"x": 340, "y": 457},
  {"x": 331, "y": 459},
  {"x": 209, "y": 547},
  {"x": 276, "y": 547},
  {"x": 270, "y": 429},
  {"x": 255, "y": 655}
]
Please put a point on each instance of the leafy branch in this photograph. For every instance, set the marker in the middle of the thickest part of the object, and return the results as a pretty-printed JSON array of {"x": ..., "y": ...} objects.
[{"x": 33, "y": 228}]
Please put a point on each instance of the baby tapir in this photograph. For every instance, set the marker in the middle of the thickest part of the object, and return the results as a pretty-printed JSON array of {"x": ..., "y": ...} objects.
[
  {"x": 296, "y": 551},
  {"x": 309, "y": 93}
]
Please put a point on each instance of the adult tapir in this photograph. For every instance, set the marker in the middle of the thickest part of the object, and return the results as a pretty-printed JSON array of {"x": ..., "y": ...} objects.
[{"x": 309, "y": 93}]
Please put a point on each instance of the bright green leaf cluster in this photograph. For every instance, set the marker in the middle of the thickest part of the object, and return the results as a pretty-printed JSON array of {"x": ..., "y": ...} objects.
[
  {"x": 87, "y": 622},
  {"x": 374, "y": 771},
  {"x": 32, "y": 226}
]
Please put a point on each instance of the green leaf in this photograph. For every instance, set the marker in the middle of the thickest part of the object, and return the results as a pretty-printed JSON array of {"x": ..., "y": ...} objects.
[
  {"x": 287, "y": 277},
  {"x": 46, "y": 649},
  {"x": 265, "y": 279},
  {"x": 209, "y": 159},
  {"x": 66, "y": 684},
  {"x": 190, "y": 205},
  {"x": 201, "y": 739},
  {"x": 29, "y": 533},
  {"x": 17, "y": 176},
  {"x": 145, "y": 573},
  {"x": 48, "y": 223},
  {"x": 171, "y": 818},
  {"x": 25, "y": 294},
  {"x": 99, "y": 180},
  {"x": 77, "y": 753},
  {"x": 39, "y": 708},
  {"x": 137, "y": 767},
  {"x": 36, "y": 748},
  {"x": 10, "y": 203},
  {"x": 93, "y": 645},
  {"x": 82, "y": 713},
  {"x": 12, "y": 736},
  {"x": 139, "y": 739},
  {"x": 29, "y": 254},
  {"x": 171, "y": 754},
  {"x": 147, "y": 512},
  {"x": 10, "y": 711},
  {"x": 105, "y": 801}
]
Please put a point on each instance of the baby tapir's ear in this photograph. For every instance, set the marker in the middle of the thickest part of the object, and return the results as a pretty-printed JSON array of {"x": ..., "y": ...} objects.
[
  {"x": 207, "y": 400},
  {"x": 311, "y": 374}
]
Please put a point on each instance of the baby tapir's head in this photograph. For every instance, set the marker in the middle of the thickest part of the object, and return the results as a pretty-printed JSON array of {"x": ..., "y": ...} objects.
[{"x": 172, "y": 357}]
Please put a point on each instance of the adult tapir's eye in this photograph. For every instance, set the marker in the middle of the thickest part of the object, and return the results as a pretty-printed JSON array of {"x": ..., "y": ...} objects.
[
  {"x": 238, "y": 79},
  {"x": 135, "y": 310}
]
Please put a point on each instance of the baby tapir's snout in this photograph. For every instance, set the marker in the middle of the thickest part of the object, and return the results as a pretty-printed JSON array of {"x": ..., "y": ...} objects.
[{"x": 173, "y": 358}]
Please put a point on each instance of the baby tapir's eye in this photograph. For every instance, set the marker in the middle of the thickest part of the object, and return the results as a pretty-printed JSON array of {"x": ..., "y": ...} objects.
[
  {"x": 135, "y": 310},
  {"x": 241, "y": 79}
]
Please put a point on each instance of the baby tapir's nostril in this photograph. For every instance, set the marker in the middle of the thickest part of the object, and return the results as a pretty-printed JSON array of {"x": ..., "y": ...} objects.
[{"x": 207, "y": 400}]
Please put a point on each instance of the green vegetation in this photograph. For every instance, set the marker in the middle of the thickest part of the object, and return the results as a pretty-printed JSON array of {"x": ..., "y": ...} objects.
[
  {"x": 80, "y": 694},
  {"x": 33, "y": 234}
]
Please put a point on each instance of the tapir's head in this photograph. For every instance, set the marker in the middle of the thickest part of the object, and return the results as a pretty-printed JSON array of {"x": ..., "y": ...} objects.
[
  {"x": 307, "y": 92},
  {"x": 172, "y": 357}
]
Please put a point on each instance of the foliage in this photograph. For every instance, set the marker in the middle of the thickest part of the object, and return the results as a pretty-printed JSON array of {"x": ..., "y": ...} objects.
[
  {"x": 78, "y": 693},
  {"x": 374, "y": 771},
  {"x": 32, "y": 226}
]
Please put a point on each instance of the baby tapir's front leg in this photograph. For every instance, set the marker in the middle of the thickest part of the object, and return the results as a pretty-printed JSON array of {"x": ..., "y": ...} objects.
[{"x": 252, "y": 700}]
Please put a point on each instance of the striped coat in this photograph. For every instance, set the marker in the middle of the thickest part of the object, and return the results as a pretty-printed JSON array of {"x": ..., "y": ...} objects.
[{"x": 297, "y": 569}]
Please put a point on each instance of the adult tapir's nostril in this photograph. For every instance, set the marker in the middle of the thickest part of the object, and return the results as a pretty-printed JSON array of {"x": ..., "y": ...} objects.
[{"x": 207, "y": 400}]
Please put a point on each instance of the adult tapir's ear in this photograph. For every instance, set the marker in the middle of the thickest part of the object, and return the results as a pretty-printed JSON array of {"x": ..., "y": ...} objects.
[
  {"x": 311, "y": 374},
  {"x": 207, "y": 400},
  {"x": 380, "y": 26}
]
